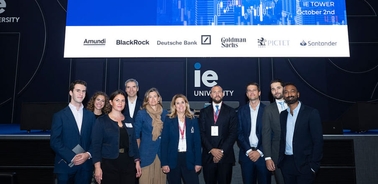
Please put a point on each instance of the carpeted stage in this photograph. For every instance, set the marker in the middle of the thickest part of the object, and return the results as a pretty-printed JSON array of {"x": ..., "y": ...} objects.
[{"x": 349, "y": 157}]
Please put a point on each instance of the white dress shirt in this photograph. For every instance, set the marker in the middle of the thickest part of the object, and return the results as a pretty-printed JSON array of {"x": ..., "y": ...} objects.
[{"x": 78, "y": 115}]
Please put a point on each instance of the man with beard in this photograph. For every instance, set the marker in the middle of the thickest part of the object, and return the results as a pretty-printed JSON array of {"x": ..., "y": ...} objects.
[
  {"x": 251, "y": 154},
  {"x": 301, "y": 145},
  {"x": 271, "y": 129},
  {"x": 218, "y": 129}
]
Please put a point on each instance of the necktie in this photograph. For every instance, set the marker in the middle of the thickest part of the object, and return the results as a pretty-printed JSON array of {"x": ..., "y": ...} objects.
[
  {"x": 216, "y": 114},
  {"x": 282, "y": 105}
]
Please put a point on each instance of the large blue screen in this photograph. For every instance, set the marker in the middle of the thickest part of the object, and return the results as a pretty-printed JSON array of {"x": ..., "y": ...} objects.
[{"x": 206, "y": 28}]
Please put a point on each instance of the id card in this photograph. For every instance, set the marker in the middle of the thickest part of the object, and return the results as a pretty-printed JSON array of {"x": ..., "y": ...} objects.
[
  {"x": 182, "y": 145},
  {"x": 214, "y": 131},
  {"x": 129, "y": 125}
]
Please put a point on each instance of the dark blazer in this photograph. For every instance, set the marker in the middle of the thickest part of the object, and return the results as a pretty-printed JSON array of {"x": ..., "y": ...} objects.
[
  {"x": 227, "y": 126},
  {"x": 65, "y": 136},
  {"x": 105, "y": 140},
  {"x": 126, "y": 112},
  {"x": 148, "y": 149},
  {"x": 244, "y": 130},
  {"x": 271, "y": 131},
  {"x": 307, "y": 139},
  {"x": 170, "y": 140}
]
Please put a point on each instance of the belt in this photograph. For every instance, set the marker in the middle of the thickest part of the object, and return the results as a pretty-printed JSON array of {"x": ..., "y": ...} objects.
[
  {"x": 254, "y": 148},
  {"x": 121, "y": 150}
]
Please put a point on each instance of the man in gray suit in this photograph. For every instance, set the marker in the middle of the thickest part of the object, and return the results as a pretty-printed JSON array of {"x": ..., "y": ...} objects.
[{"x": 271, "y": 130}]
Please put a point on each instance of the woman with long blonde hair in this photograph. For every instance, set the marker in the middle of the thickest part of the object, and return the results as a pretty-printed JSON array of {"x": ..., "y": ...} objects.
[
  {"x": 148, "y": 127},
  {"x": 181, "y": 143}
]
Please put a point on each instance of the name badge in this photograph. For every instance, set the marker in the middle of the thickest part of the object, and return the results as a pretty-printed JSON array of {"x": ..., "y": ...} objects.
[
  {"x": 129, "y": 125},
  {"x": 214, "y": 131},
  {"x": 182, "y": 145}
]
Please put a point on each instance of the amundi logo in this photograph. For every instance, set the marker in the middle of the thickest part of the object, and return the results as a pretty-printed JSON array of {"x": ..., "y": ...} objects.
[{"x": 3, "y": 5}]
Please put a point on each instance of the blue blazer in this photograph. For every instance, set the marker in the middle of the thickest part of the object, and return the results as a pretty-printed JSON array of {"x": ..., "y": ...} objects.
[
  {"x": 170, "y": 140},
  {"x": 65, "y": 136},
  {"x": 126, "y": 113},
  {"x": 307, "y": 139},
  {"x": 105, "y": 140},
  {"x": 244, "y": 130},
  {"x": 148, "y": 149}
]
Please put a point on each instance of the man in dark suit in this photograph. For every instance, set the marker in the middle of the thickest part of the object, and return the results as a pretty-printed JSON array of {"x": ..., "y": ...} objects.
[
  {"x": 271, "y": 129},
  {"x": 133, "y": 103},
  {"x": 301, "y": 145},
  {"x": 218, "y": 128},
  {"x": 71, "y": 139},
  {"x": 251, "y": 154}
]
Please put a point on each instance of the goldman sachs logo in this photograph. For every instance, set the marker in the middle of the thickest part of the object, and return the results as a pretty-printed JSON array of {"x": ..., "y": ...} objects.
[
  {"x": 231, "y": 42},
  {"x": 88, "y": 42}
]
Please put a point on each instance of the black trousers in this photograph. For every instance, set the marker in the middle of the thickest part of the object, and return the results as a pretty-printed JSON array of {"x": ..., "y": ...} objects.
[
  {"x": 181, "y": 171},
  {"x": 292, "y": 175},
  {"x": 220, "y": 173}
]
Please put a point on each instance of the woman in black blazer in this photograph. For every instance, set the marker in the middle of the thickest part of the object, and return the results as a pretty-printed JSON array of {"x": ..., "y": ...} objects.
[{"x": 115, "y": 151}]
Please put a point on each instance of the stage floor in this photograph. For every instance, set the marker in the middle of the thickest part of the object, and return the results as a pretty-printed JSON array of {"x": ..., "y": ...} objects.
[
  {"x": 345, "y": 159},
  {"x": 12, "y": 131}
]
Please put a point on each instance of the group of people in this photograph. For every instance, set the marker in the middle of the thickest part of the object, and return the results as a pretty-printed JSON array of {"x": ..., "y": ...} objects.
[{"x": 127, "y": 139}]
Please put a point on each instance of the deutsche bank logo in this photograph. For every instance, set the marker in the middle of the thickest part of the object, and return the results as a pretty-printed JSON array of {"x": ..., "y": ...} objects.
[
  {"x": 205, "y": 39},
  {"x": 3, "y": 5},
  {"x": 208, "y": 78}
]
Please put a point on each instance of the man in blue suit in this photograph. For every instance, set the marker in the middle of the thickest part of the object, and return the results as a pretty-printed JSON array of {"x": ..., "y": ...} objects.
[
  {"x": 71, "y": 139},
  {"x": 251, "y": 154},
  {"x": 133, "y": 103},
  {"x": 301, "y": 145}
]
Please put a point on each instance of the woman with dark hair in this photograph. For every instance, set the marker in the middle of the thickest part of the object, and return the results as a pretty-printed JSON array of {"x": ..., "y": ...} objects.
[
  {"x": 115, "y": 151},
  {"x": 148, "y": 126},
  {"x": 181, "y": 143},
  {"x": 99, "y": 104}
]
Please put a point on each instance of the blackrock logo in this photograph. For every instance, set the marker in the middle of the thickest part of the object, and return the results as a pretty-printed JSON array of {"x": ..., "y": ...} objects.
[
  {"x": 88, "y": 42},
  {"x": 318, "y": 44},
  {"x": 3, "y": 5},
  {"x": 132, "y": 42},
  {"x": 232, "y": 42},
  {"x": 262, "y": 43}
]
